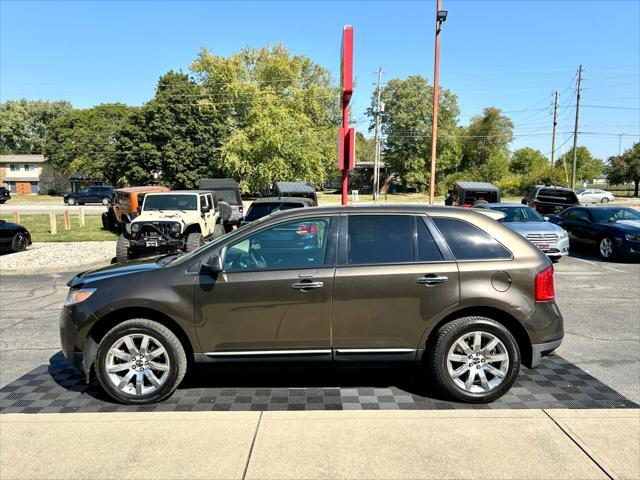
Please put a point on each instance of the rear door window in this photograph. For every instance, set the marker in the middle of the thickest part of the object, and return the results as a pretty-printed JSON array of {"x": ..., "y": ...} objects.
[
  {"x": 468, "y": 242},
  {"x": 427, "y": 249},
  {"x": 379, "y": 239}
]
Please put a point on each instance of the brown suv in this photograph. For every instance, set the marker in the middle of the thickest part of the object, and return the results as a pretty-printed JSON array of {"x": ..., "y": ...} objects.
[{"x": 445, "y": 287}]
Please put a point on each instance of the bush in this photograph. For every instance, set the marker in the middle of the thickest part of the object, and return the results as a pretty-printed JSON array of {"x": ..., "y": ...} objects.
[
  {"x": 53, "y": 192},
  {"x": 511, "y": 185}
]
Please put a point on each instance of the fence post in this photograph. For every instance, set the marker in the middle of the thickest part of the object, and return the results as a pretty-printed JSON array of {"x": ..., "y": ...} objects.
[
  {"x": 67, "y": 220},
  {"x": 53, "y": 227},
  {"x": 16, "y": 217},
  {"x": 82, "y": 216}
]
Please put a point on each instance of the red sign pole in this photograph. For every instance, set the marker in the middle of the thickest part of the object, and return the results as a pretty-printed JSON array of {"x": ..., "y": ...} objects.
[{"x": 346, "y": 151}]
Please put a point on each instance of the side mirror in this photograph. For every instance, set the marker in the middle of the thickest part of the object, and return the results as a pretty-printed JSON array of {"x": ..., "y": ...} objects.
[
  {"x": 213, "y": 265},
  {"x": 205, "y": 209},
  {"x": 524, "y": 201}
]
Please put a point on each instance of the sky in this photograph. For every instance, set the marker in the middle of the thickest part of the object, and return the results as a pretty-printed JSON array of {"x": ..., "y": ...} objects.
[{"x": 512, "y": 54}]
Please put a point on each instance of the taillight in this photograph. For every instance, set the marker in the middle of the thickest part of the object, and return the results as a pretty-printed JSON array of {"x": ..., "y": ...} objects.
[
  {"x": 241, "y": 209},
  {"x": 304, "y": 230},
  {"x": 545, "y": 290}
]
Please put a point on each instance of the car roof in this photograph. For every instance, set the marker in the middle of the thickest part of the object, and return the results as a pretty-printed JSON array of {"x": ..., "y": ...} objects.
[
  {"x": 406, "y": 208},
  {"x": 191, "y": 192},
  {"x": 477, "y": 186},
  {"x": 142, "y": 189},
  {"x": 284, "y": 200},
  {"x": 519, "y": 205},
  {"x": 294, "y": 187}
]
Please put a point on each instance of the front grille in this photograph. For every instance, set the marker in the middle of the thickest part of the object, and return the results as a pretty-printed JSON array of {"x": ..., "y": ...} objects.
[
  {"x": 547, "y": 239},
  {"x": 150, "y": 229}
]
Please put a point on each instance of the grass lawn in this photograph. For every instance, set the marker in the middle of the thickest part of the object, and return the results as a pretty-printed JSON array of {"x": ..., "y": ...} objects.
[
  {"x": 15, "y": 198},
  {"x": 38, "y": 226}
]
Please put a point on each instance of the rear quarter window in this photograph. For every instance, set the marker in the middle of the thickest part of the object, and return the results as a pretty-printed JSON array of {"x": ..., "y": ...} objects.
[{"x": 468, "y": 242}]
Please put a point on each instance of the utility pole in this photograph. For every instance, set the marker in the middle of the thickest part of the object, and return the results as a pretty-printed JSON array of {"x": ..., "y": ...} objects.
[
  {"x": 555, "y": 124},
  {"x": 619, "y": 143},
  {"x": 376, "y": 161},
  {"x": 575, "y": 130},
  {"x": 441, "y": 16}
]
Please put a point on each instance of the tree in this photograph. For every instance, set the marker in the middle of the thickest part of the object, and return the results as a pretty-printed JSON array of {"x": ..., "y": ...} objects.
[
  {"x": 587, "y": 166},
  {"x": 527, "y": 160},
  {"x": 24, "y": 124},
  {"x": 84, "y": 142},
  {"x": 176, "y": 136},
  {"x": 407, "y": 124},
  {"x": 365, "y": 148},
  {"x": 625, "y": 168},
  {"x": 487, "y": 136},
  {"x": 280, "y": 113}
]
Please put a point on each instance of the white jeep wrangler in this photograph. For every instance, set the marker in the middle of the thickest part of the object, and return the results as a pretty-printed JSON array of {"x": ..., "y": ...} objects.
[{"x": 171, "y": 221}]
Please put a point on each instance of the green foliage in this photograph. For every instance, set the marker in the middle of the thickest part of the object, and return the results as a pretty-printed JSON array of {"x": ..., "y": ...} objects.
[
  {"x": 547, "y": 174},
  {"x": 587, "y": 166},
  {"x": 407, "y": 124},
  {"x": 494, "y": 168},
  {"x": 84, "y": 142},
  {"x": 487, "y": 137},
  {"x": 527, "y": 160},
  {"x": 24, "y": 124},
  {"x": 365, "y": 148},
  {"x": 625, "y": 168},
  {"x": 176, "y": 136},
  {"x": 280, "y": 112}
]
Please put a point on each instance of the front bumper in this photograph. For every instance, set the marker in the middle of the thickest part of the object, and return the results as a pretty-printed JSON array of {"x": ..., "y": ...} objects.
[
  {"x": 629, "y": 250},
  {"x": 155, "y": 244},
  {"x": 80, "y": 354}
]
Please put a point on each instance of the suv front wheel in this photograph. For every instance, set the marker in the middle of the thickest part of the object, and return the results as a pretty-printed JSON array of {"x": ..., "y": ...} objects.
[
  {"x": 194, "y": 241},
  {"x": 474, "y": 359},
  {"x": 140, "y": 361}
]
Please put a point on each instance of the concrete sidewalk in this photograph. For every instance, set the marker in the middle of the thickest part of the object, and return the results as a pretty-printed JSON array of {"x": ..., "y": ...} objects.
[{"x": 503, "y": 444}]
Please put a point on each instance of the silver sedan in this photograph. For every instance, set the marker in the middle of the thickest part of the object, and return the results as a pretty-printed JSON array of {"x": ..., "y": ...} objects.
[{"x": 548, "y": 237}]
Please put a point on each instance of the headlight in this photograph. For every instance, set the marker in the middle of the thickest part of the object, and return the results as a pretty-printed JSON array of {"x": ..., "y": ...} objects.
[
  {"x": 135, "y": 227},
  {"x": 175, "y": 227},
  {"x": 563, "y": 234},
  {"x": 77, "y": 296},
  {"x": 632, "y": 237}
]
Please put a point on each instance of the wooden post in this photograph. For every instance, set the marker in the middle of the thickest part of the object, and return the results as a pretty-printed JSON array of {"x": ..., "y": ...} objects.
[
  {"x": 67, "y": 220},
  {"x": 53, "y": 227},
  {"x": 16, "y": 217},
  {"x": 82, "y": 216}
]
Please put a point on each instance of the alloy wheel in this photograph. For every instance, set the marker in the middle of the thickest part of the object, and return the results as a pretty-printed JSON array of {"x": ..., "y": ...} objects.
[
  {"x": 606, "y": 247},
  {"x": 478, "y": 362},
  {"x": 604, "y": 200},
  {"x": 20, "y": 242},
  {"x": 137, "y": 364}
]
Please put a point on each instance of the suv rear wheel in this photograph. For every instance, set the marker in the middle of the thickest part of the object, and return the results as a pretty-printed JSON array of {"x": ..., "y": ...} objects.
[
  {"x": 106, "y": 201},
  {"x": 475, "y": 359},
  {"x": 140, "y": 361},
  {"x": 122, "y": 249}
]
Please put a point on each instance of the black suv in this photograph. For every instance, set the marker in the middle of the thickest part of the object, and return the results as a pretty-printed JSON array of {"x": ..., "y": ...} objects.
[
  {"x": 547, "y": 199},
  {"x": 96, "y": 194},
  {"x": 5, "y": 194},
  {"x": 265, "y": 206}
]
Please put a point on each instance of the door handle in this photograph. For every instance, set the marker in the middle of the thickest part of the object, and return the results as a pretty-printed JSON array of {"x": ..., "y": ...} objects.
[
  {"x": 432, "y": 279},
  {"x": 307, "y": 285}
]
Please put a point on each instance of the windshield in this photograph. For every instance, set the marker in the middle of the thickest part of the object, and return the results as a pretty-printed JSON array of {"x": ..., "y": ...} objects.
[
  {"x": 170, "y": 202},
  {"x": 519, "y": 214},
  {"x": 611, "y": 215},
  {"x": 259, "y": 210}
]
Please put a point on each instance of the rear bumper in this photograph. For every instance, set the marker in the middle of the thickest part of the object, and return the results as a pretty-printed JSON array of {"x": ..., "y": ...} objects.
[
  {"x": 545, "y": 329},
  {"x": 539, "y": 350}
]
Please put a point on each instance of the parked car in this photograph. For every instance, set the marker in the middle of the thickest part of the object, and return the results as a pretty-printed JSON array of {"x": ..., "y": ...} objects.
[
  {"x": 265, "y": 206},
  {"x": 125, "y": 206},
  {"x": 96, "y": 194},
  {"x": 594, "y": 195},
  {"x": 13, "y": 237},
  {"x": 614, "y": 231},
  {"x": 170, "y": 221},
  {"x": 546, "y": 199},
  {"x": 448, "y": 288},
  {"x": 227, "y": 191},
  {"x": 548, "y": 237},
  {"x": 295, "y": 189},
  {"x": 5, "y": 195},
  {"x": 468, "y": 194}
]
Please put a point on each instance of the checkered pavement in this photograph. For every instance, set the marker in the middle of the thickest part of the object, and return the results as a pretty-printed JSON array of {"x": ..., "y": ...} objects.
[{"x": 59, "y": 388}]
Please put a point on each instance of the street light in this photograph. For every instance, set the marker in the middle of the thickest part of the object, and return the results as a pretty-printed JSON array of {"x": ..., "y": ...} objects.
[{"x": 441, "y": 17}]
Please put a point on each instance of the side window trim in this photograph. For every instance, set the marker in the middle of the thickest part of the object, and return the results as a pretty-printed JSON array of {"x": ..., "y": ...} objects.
[
  {"x": 466, "y": 260},
  {"x": 446, "y": 253},
  {"x": 330, "y": 255}
]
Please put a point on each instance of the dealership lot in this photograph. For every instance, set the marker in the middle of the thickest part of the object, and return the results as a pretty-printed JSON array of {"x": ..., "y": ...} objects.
[{"x": 599, "y": 301}]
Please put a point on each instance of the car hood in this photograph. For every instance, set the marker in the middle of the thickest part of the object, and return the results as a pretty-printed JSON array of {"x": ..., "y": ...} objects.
[
  {"x": 533, "y": 227},
  {"x": 116, "y": 270},
  {"x": 155, "y": 216},
  {"x": 626, "y": 225}
]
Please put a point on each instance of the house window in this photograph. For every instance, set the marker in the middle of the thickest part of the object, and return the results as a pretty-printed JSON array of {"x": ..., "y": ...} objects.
[
  {"x": 29, "y": 167},
  {"x": 14, "y": 167}
]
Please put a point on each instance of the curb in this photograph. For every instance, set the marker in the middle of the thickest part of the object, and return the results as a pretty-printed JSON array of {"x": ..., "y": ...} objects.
[{"x": 37, "y": 271}]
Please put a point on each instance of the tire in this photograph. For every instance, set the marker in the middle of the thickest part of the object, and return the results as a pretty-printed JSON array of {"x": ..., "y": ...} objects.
[
  {"x": 607, "y": 248},
  {"x": 219, "y": 230},
  {"x": 225, "y": 211},
  {"x": 476, "y": 390},
  {"x": 19, "y": 242},
  {"x": 555, "y": 259},
  {"x": 147, "y": 384},
  {"x": 228, "y": 227},
  {"x": 71, "y": 201},
  {"x": 106, "y": 201},
  {"x": 122, "y": 249},
  {"x": 194, "y": 241},
  {"x": 604, "y": 200}
]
